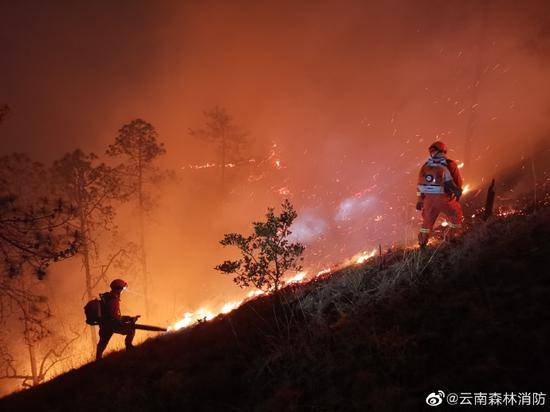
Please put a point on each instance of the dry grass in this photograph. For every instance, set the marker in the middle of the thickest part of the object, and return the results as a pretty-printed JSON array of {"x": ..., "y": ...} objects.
[
  {"x": 411, "y": 269},
  {"x": 380, "y": 336}
]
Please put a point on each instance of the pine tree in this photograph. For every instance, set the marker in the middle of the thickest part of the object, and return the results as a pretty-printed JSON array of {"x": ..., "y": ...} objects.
[
  {"x": 220, "y": 129},
  {"x": 137, "y": 144},
  {"x": 91, "y": 188}
]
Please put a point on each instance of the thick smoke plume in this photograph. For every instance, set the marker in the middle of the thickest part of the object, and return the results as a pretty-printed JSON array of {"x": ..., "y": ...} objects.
[{"x": 340, "y": 101}]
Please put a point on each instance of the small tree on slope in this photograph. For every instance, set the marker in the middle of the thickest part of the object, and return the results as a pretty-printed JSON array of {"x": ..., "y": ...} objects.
[{"x": 267, "y": 254}]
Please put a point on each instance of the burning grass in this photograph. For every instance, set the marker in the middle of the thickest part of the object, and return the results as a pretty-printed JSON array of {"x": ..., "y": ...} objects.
[{"x": 380, "y": 335}]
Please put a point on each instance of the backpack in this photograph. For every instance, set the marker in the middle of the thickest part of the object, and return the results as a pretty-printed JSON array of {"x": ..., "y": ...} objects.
[{"x": 93, "y": 312}]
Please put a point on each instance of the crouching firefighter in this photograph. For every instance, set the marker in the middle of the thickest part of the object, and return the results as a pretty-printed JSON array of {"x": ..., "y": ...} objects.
[
  {"x": 439, "y": 190},
  {"x": 111, "y": 320}
]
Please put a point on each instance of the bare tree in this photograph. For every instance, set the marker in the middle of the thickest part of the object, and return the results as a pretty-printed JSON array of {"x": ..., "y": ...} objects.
[
  {"x": 44, "y": 349},
  {"x": 34, "y": 231},
  {"x": 92, "y": 189},
  {"x": 120, "y": 258},
  {"x": 137, "y": 142},
  {"x": 220, "y": 129}
]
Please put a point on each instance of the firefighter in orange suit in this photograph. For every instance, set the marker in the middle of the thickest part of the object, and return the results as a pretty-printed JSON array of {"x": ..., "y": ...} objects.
[
  {"x": 439, "y": 190},
  {"x": 112, "y": 321}
]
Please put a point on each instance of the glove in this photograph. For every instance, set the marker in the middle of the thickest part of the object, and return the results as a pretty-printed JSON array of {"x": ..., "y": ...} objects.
[
  {"x": 130, "y": 319},
  {"x": 458, "y": 194},
  {"x": 419, "y": 205},
  {"x": 453, "y": 190}
]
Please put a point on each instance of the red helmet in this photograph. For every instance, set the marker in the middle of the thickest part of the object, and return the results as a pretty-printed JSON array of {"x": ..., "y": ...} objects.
[
  {"x": 438, "y": 146},
  {"x": 118, "y": 284}
]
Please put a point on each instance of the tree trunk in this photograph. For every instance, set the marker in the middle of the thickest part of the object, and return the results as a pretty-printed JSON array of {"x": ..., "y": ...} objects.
[
  {"x": 223, "y": 163},
  {"x": 489, "y": 202},
  {"x": 30, "y": 344},
  {"x": 277, "y": 275},
  {"x": 143, "y": 257},
  {"x": 34, "y": 369},
  {"x": 85, "y": 252},
  {"x": 534, "y": 175}
]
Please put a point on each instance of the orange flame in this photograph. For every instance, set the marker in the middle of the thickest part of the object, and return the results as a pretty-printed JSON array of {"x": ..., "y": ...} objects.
[
  {"x": 324, "y": 272},
  {"x": 364, "y": 256},
  {"x": 205, "y": 314},
  {"x": 297, "y": 278}
]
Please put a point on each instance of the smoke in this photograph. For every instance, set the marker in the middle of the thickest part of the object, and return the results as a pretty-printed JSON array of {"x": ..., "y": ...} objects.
[
  {"x": 351, "y": 92},
  {"x": 308, "y": 226},
  {"x": 353, "y": 207}
]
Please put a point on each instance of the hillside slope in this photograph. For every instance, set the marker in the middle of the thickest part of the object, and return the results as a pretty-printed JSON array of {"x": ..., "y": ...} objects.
[{"x": 470, "y": 317}]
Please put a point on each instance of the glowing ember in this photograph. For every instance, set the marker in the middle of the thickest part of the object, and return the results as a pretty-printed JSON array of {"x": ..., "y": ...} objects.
[
  {"x": 197, "y": 167},
  {"x": 255, "y": 162},
  {"x": 460, "y": 165},
  {"x": 208, "y": 165},
  {"x": 284, "y": 191},
  {"x": 503, "y": 212},
  {"x": 256, "y": 178}
]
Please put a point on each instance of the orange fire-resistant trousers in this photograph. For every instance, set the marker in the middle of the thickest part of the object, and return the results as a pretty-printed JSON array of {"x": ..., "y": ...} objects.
[{"x": 434, "y": 204}]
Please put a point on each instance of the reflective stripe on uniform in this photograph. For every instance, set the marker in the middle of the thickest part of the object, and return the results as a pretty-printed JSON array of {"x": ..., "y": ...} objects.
[
  {"x": 453, "y": 226},
  {"x": 431, "y": 189},
  {"x": 424, "y": 230}
]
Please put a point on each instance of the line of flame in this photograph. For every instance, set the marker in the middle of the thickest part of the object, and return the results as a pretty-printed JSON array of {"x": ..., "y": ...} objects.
[{"x": 205, "y": 314}]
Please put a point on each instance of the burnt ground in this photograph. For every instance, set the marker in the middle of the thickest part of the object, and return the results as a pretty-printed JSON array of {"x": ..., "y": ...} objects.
[{"x": 465, "y": 317}]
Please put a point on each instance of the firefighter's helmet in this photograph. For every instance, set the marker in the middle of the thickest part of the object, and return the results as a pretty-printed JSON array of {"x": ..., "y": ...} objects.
[
  {"x": 118, "y": 284},
  {"x": 438, "y": 146}
]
